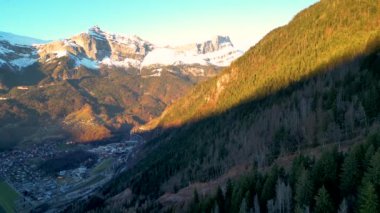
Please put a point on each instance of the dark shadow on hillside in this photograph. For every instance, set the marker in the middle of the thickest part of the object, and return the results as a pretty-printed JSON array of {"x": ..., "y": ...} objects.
[
  {"x": 28, "y": 77},
  {"x": 14, "y": 128},
  {"x": 167, "y": 152}
]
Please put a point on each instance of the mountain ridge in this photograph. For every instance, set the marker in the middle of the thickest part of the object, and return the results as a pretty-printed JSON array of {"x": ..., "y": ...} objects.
[
  {"x": 111, "y": 49},
  {"x": 100, "y": 75}
]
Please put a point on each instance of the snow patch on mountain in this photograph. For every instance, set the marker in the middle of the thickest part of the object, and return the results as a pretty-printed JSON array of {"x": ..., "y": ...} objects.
[
  {"x": 23, "y": 62},
  {"x": 156, "y": 73},
  {"x": 127, "y": 63},
  {"x": 70, "y": 43},
  {"x": 60, "y": 54},
  {"x": 86, "y": 63},
  {"x": 223, "y": 57},
  {"x": 168, "y": 56},
  {"x": 133, "y": 43},
  {"x": 219, "y": 52},
  {"x": 4, "y": 50},
  {"x": 97, "y": 47},
  {"x": 20, "y": 40}
]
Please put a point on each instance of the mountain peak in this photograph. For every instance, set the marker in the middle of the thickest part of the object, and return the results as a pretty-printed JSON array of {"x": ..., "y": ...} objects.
[
  {"x": 216, "y": 43},
  {"x": 219, "y": 39},
  {"x": 96, "y": 32},
  {"x": 95, "y": 28}
]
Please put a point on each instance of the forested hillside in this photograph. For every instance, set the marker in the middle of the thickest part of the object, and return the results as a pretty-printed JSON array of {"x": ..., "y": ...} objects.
[
  {"x": 317, "y": 39},
  {"x": 336, "y": 182},
  {"x": 310, "y": 84}
]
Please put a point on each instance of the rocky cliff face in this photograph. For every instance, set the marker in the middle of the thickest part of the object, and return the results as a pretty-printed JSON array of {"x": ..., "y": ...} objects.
[{"x": 217, "y": 43}]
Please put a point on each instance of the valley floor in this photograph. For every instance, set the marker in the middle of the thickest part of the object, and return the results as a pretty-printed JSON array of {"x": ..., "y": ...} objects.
[{"x": 27, "y": 185}]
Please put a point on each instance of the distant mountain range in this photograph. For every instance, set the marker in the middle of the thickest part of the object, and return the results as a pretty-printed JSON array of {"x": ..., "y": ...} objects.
[
  {"x": 97, "y": 47},
  {"x": 94, "y": 84}
]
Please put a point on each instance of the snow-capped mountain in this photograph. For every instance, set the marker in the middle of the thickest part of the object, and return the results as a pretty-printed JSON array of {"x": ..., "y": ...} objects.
[
  {"x": 17, "y": 52},
  {"x": 20, "y": 40},
  {"x": 96, "y": 48},
  {"x": 117, "y": 81},
  {"x": 218, "y": 52}
]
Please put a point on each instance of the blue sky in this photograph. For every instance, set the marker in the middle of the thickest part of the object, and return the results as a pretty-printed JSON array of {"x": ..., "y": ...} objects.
[{"x": 159, "y": 21}]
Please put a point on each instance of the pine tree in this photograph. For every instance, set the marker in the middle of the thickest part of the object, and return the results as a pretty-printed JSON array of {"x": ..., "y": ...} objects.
[
  {"x": 343, "y": 207},
  {"x": 228, "y": 197},
  {"x": 216, "y": 208},
  {"x": 220, "y": 200},
  {"x": 243, "y": 206},
  {"x": 304, "y": 190},
  {"x": 194, "y": 207},
  {"x": 374, "y": 170},
  {"x": 196, "y": 196},
  {"x": 323, "y": 203},
  {"x": 350, "y": 175},
  {"x": 256, "y": 204},
  {"x": 368, "y": 200},
  {"x": 283, "y": 197},
  {"x": 325, "y": 171},
  {"x": 269, "y": 187}
]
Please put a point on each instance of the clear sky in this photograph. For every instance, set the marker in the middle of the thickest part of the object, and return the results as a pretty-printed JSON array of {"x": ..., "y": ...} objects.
[{"x": 159, "y": 21}]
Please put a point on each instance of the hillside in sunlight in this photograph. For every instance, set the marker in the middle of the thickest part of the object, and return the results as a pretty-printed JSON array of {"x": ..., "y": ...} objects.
[
  {"x": 125, "y": 80},
  {"x": 317, "y": 39},
  {"x": 305, "y": 87}
]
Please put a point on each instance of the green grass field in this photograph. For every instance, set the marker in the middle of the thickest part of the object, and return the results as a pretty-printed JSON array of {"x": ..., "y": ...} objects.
[
  {"x": 8, "y": 196},
  {"x": 105, "y": 164}
]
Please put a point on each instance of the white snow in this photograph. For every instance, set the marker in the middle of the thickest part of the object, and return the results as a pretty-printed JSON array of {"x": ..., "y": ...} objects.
[
  {"x": 223, "y": 57},
  {"x": 220, "y": 52},
  {"x": 60, "y": 54},
  {"x": 172, "y": 56},
  {"x": 79, "y": 61},
  {"x": 70, "y": 43},
  {"x": 22, "y": 62},
  {"x": 96, "y": 32},
  {"x": 20, "y": 40},
  {"x": 156, "y": 73},
  {"x": 173, "y": 71},
  {"x": 4, "y": 50},
  {"x": 87, "y": 63},
  {"x": 168, "y": 56},
  {"x": 96, "y": 35},
  {"x": 127, "y": 62},
  {"x": 133, "y": 41}
]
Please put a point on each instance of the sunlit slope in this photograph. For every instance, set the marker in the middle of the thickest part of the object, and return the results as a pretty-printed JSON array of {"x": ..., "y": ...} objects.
[{"x": 319, "y": 37}]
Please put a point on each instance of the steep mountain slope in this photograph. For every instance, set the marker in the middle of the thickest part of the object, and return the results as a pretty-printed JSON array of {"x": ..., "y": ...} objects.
[
  {"x": 286, "y": 55},
  {"x": 98, "y": 75},
  {"x": 310, "y": 83}
]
